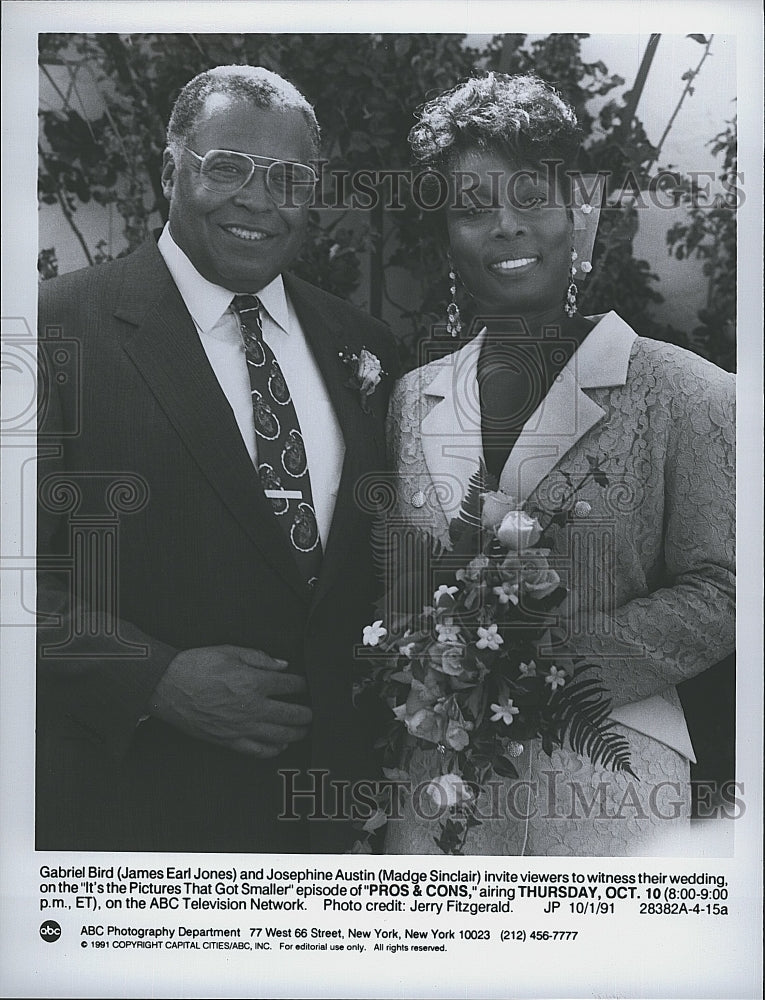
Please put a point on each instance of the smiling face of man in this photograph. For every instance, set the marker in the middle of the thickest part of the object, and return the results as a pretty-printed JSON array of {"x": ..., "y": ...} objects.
[{"x": 240, "y": 241}]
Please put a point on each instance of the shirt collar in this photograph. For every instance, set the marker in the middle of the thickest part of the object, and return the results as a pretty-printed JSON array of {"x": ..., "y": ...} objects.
[
  {"x": 205, "y": 301},
  {"x": 273, "y": 298}
]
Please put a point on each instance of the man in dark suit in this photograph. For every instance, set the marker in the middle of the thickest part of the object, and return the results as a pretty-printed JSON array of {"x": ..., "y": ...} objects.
[{"x": 200, "y": 590}]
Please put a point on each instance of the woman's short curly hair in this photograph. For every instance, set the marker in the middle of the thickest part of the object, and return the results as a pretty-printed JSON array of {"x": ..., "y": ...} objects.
[{"x": 520, "y": 115}]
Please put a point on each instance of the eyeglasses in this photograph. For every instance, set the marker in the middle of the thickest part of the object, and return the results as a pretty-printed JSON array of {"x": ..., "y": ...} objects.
[{"x": 224, "y": 171}]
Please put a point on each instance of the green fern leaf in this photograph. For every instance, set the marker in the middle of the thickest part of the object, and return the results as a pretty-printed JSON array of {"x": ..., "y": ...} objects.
[
  {"x": 469, "y": 517},
  {"x": 578, "y": 715}
]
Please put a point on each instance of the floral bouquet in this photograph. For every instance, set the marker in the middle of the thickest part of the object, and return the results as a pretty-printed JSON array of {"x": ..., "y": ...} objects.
[{"x": 463, "y": 675}]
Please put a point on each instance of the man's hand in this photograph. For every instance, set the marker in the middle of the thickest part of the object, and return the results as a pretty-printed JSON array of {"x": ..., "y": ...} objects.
[{"x": 231, "y": 696}]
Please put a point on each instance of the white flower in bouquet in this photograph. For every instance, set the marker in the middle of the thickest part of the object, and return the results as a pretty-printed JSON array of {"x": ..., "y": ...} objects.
[
  {"x": 374, "y": 633},
  {"x": 507, "y": 593},
  {"x": 556, "y": 678},
  {"x": 489, "y": 638},
  {"x": 444, "y": 592},
  {"x": 447, "y": 631},
  {"x": 504, "y": 711},
  {"x": 471, "y": 650}
]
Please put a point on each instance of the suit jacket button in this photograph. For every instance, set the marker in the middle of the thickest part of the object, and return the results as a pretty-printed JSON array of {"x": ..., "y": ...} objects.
[{"x": 418, "y": 499}]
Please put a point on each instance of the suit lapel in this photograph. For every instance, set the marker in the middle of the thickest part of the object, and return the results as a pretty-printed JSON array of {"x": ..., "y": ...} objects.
[{"x": 165, "y": 348}]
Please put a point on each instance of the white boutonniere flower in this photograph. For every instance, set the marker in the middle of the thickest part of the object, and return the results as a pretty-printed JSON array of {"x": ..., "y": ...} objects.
[{"x": 366, "y": 373}]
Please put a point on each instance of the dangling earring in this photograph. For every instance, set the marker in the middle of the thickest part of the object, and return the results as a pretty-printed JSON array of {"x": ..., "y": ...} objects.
[
  {"x": 570, "y": 306},
  {"x": 453, "y": 321}
]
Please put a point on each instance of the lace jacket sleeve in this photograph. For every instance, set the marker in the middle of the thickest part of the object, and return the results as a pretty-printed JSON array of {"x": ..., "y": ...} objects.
[{"x": 687, "y": 624}]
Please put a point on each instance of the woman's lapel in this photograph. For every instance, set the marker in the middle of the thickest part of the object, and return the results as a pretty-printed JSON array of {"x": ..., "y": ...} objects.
[
  {"x": 451, "y": 428},
  {"x": 561, "y": 419},
  {"x": 567, "y": 412}
]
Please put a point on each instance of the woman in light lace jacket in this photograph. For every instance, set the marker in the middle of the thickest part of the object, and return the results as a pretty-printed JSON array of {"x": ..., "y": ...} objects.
[{"x": 547, "y": 398}]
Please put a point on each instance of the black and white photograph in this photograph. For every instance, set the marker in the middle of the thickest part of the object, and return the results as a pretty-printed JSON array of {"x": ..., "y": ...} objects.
[{"x": 370, "y": 500}]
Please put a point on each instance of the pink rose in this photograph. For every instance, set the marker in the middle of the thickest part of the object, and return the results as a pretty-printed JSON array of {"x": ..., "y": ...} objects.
[
  {"x": 518, "y": 530},
  {"x": 449, "y": 790},
  {"x": 446, "y": 658},
  {"x": 474, "y": 571},
  {"x": 456, "y": 736},
  {"x": 495, "y": 505},
  {"x": 426, "y": 725},
  {"x": 531, "y": 571},
  {"x": 424, "y": 695}
]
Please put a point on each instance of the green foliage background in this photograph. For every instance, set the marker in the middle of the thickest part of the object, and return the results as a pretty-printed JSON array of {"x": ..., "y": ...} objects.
[{"x": 365, "y": 89}]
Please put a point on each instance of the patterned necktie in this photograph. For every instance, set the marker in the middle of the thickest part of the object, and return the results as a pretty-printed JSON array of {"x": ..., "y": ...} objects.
[{"x": 281, "y": 457}]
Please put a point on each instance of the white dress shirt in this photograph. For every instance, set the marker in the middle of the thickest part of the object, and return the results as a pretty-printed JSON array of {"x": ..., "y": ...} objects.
[{"x": 218, "y": 329}]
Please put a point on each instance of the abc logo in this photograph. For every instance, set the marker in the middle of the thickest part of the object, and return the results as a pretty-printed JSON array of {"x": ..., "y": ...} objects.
[{"x": 50, "y": 931}]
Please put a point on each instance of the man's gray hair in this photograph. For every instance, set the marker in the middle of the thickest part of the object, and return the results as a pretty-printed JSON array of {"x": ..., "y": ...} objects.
[{"x": 261, "y": 87}]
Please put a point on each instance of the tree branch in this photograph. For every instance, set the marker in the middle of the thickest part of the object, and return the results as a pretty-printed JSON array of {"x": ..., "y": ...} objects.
[
  {"x": 69, "y": 216},
  {"x": 53, "y": 84},
  {"x": 692, "y": 74}
]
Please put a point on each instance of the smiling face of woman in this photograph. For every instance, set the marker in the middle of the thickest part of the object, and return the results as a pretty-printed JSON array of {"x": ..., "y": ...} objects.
[{"x": 509, "y": 236}]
